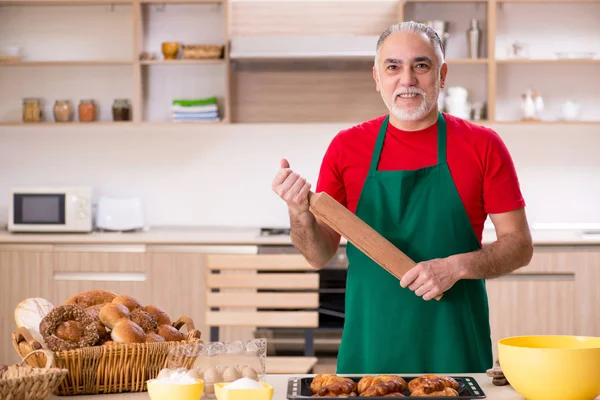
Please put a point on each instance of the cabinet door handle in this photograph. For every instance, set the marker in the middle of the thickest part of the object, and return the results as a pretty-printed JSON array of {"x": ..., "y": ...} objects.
[
  {"x": 101, "y": 276},
  {"x": 100, "y": 248}
]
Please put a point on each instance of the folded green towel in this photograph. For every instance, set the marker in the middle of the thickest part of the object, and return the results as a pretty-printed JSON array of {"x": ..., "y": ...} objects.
[{"x": 197, "y": 102}]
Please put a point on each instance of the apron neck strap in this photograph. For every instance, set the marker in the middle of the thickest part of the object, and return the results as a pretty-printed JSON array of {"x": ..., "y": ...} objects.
[{"x": 441, "y": 145}]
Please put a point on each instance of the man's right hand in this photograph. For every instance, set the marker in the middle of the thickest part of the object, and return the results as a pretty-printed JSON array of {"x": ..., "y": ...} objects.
[{"x": 292, "y": 188}]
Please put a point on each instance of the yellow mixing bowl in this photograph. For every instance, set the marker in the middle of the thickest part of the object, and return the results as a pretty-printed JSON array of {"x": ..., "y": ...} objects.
[
  {"x": 265, "y": 393},
  {"x": 167, "y": 391},
  {"x": 552, "y": 367}
]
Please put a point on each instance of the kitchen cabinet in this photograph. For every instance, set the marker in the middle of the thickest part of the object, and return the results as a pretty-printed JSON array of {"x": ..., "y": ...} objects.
[
  {"x": 121, "y": 269},
  {"x": 556, "y": 294},
  {"x": 25, "y": 271}
]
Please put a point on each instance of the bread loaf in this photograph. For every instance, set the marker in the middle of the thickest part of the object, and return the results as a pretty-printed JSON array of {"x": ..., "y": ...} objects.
[
  {"x": 170, "y": 333},
  {"x": 30, "y": 312}
]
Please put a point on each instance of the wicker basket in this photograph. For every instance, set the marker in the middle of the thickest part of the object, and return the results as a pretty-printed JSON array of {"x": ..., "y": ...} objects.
[
  {"x": 20, "y": 382},
  {"x": 202, "y": 51},
  {"x": 112, "y": 368}
]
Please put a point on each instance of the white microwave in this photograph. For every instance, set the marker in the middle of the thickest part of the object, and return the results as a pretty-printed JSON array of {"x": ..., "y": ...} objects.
[{"x": 50, "y": 209}]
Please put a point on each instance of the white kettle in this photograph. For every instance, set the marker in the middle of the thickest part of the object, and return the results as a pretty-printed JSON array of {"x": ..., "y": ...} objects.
[{"x": 120, "y": 214}]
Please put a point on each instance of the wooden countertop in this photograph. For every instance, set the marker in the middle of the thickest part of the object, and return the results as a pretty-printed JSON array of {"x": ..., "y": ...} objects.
[
  {"x": 279, "y": 383},
  {"x": 180, "y": 235}
]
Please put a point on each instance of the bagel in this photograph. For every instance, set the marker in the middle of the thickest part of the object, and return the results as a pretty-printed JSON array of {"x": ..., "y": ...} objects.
[{"x": 65, "y": 313}]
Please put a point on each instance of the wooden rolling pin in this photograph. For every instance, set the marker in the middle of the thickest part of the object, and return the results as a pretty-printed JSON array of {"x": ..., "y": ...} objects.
[{"x": 360, "y": 234}]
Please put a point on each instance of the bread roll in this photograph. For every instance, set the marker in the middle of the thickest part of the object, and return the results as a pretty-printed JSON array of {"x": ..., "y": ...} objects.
[
  {"x": 112, "y": 313},
  {"x": 144, "y": 319},
  {"x": 159, "y": 314},
  {"x": 170, "y": 333},
  {"x": 30, "y": 312},
  {"x": 152, "y": 337},
  {"x": 128, "y": 302},
  {"x": 128, "y": 332}
]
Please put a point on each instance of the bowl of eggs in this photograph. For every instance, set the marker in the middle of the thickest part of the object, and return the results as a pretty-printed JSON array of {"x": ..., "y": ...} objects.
[{"x": 181, "y": 384}]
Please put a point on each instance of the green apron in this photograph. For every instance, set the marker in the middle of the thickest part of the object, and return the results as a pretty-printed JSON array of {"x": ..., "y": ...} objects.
[{"x": 389, "y": 329}]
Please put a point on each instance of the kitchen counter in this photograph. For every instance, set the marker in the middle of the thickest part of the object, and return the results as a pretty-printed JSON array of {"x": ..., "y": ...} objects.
[
  {"x": 279, "y": 383},
  {"x": 164, "y": 235}
]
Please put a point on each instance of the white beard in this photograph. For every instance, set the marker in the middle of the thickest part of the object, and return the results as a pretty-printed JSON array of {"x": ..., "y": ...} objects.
[{"x": 417, "y": 113}]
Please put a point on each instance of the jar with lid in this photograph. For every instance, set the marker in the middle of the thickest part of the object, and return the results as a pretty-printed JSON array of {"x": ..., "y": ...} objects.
[
  {"x": 87, "y": 111},
  {"x": 121, "y": 110},
  {"x": 32, "y": 110},
  {"x": 63, "y": 112}
]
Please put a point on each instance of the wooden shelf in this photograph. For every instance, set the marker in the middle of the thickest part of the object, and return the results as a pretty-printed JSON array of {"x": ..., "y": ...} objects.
[
  {"x": 82, "y": 63},
  {"x": 547, "y": 61},
  {"x": 61, "y": 2},
  {"x": 467, "y": 61},
  {"x": 48, "y": 123},
  {"x": 181, "y": 62}
]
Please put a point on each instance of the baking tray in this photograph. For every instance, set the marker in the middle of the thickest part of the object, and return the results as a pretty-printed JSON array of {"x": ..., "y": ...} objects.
[{"x": 468, "y": 388}]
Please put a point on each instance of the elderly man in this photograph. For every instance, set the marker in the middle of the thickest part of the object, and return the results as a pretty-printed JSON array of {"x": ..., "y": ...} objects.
[{"x": 426, "y": 181}]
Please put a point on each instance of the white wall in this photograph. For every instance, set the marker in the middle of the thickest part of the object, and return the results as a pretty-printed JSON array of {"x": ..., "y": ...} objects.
[{"x": 221, "y": 175}]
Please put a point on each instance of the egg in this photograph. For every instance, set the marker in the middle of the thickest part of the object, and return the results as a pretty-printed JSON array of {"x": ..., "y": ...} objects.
[
  {"x": 230, "y": 374},
  {"x": 221, "y": 368},
  {"x": 211, "y": 375},
  {"x": 249, "y": 372},
  {"x": 164, "y": 373},
  {"x": 194, "y": 374}
]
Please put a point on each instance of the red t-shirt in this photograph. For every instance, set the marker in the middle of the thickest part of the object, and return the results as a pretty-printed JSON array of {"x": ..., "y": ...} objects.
[{"x": 479, "y": 162}]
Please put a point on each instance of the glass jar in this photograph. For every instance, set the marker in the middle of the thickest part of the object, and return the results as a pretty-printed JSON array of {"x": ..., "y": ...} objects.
[
  {"x": 32, "y": 110},
  {"x": 63, "y": 112},
  {"x": 87, "y": 111},
  {"x": 121, "y": 110}
]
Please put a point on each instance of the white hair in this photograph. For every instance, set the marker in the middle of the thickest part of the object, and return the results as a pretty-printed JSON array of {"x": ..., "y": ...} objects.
[{"x": 413, "y": 27}]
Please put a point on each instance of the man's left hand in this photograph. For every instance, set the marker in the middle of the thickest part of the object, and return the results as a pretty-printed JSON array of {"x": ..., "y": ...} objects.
[{"x": 429, "y": 279}]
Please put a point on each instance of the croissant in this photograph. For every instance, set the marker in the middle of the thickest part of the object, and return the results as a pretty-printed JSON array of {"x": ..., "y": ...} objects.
[
  {"x": 369, "y": 381},
  {"x": 383, "y": 389},
  {"x": 432, "y": 383},
  {"x": 344, "y": 387},
  {"x": 422, "y": 391},
  {"x": 322, "y": 380}
]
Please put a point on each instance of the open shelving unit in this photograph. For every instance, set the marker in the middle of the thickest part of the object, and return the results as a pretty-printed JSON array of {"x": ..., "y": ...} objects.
[{"x": 285, "y": 62}]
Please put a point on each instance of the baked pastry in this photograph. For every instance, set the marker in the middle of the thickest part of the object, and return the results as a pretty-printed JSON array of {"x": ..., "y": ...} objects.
[
  {"x": 88, "y": 335},
  {"x": 29, "y": 314},
  {"x": 446, "y": 391},
  {"x": 91, "y": 298},
  {"x": 94, "y": 311},
  {"x": 170, "y": 334},
  {"x": 161, "y": 317},
  {"x": 111, "y": 314},
  {"x": 144, "y": 319},
  {"x": 324, "y": 385},
  {"x": 432, "y": 383},
  {"x": 381, "y": 385},
  {"x": 152, "y": 337},
  {"x": 127, "y": 331},
  {"x": 128, "y": 301}
]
